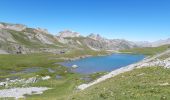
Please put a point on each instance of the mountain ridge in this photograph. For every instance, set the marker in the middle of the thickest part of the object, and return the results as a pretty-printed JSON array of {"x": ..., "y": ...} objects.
[{"x": 20, "y": 39}]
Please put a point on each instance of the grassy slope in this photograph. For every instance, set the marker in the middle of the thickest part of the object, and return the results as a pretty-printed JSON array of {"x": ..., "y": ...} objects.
[
  {"x": 62, "y": 88},
  {"x": 22, "y": 39},
  {"x": 139, "y": 84},
  {"x": 147, "y": 50}
]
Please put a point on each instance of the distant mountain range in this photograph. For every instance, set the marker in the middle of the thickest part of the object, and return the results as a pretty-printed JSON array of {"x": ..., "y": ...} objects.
[{"x": 20, "y": 39}]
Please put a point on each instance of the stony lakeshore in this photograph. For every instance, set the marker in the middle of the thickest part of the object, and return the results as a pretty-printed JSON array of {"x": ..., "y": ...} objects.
[{"x": 148, "y": 62}]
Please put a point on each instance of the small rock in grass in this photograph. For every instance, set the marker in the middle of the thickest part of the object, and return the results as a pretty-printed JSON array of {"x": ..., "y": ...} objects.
[
  {"x": 163, "y": 98},
  {"x": 46, "y": 78},
  {"x": 164, "y": 84}
]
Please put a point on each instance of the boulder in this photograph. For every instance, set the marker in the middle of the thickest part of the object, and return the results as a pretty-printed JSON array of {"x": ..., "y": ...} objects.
[{"x": 74, "y": 66}]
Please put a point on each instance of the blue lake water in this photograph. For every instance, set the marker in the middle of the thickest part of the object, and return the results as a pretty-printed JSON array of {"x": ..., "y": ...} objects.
[{"x": 103, "y": 63}]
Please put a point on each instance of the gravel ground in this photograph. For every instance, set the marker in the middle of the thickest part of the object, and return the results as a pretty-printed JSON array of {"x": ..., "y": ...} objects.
[{"x": 20, "y": 92}]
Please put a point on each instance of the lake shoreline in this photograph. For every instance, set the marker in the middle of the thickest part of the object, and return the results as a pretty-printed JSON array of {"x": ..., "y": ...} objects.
[
  {"x": 93, "y": 64},
  {"x": 120, "y": 70}
]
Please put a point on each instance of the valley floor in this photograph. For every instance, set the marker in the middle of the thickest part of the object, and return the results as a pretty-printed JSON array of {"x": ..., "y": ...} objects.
[
  {"x": 145, "y": 83},
  {"x": 19, "y": 72}
]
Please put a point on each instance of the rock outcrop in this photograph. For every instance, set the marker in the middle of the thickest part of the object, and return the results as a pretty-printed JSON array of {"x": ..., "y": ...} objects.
[
  {"x": 95, "y": 41},
  {"x": 95, "y": 36},
  {"x": 3, "y": 52},
  {"x": 44, "y": 39},
  {"x": 5, "y": 36},
  {"x": 68, "y": 33},
  {"x": 157, "y": 62},
  {"x": 16, "y": 27}
]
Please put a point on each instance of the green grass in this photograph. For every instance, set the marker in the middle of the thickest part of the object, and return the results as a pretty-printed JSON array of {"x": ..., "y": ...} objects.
[
  {"x": 77, "y": 53},
  {"x": 61, "y": 88},
  {"x": 12, "y": 62},
  {"x": 20, "y": 62},
  {"x": 147, "y": 50},
  {"x": 17, "y": 63},
  {"x": 139, "y": 84},
  {"x": 23, "y": 39}
]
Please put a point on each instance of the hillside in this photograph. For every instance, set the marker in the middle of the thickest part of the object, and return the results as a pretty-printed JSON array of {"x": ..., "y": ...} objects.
[
  {"x": 147, "y": 50},
  {"x": 147, "y": 80},
  {"x": 140, "y": 84},
  {"x": 20, "y": 39}
]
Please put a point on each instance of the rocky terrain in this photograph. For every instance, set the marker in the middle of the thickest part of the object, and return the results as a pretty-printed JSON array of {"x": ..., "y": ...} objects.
[
  {"x": 19, "y": 93},
  {"x": 94, "y": 41},
  {"x": 9, "y": 85},
  {"x": 68, "y": 33},
  {"x": 20, "y": 39},
  {"x": 22, "y": 82}
]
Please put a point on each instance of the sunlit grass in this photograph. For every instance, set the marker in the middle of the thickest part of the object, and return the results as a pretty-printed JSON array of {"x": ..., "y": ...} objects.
[{"x": 139, "y": 84}]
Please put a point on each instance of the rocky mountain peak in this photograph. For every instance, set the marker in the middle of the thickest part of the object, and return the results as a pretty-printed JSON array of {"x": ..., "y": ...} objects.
[
  {"x": 41, "y": 30},
  {"x": 68, "y": 33},
  {"x": 95, "y": 36},
  {"x": 16, "y": 27}
]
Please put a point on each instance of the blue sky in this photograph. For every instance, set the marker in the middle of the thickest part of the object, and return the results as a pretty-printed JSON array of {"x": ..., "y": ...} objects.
[{"x": 136, "y": 20}]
